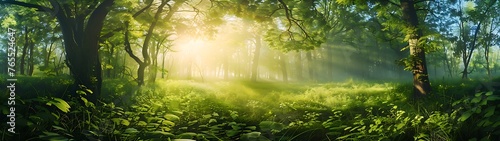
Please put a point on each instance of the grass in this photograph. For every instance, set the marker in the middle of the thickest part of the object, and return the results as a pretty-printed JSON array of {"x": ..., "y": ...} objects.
[{"x": 244, "y": 110}]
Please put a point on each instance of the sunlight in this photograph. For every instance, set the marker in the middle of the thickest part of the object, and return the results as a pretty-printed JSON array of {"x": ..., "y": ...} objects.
[{"x": 192, "y": 46}]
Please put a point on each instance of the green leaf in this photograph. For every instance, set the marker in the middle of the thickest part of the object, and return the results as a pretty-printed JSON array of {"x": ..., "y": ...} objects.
[
  {"x": 489, "y": 93},
  {"x": 476, "y": 99},
  {"x": 212, "y": 120},
  {"x": 154, "y": 119},
  {"x": 80, "y": 92},
  {"x": 60, "y": 104},
  {"x": 188, "y": 135},
  {"x": 117, "y": 120},
  {"x": 478, "y": 94},
  {"x": 478, "y": 110},
  {"x": 232, "y": 133},
  {"x": 465, "y": 116},
  {"x": 142, "y": 123},
  {"x": 456, "y": 102},
  {"x": 159, "y": 134},
  {"x": 131, "y": 131},
  {"x": 171, "y": 117},
  {"x": 493, "y": 97},
  {"x": 153, "y": 125},
  {"x": 271, "y": 125},
  {"x": 59, "y": 128},
  {"x": 87, "y": 103},
  {"x": 168, "y": 123},
  {"x": 251, "y": 127},
  {"x": 496, "y": 124},
  {"x": 489, "y": 111},
  {"x": 254, "y": 134},
  {"x": 125, "y": 122},
  {"x": 483, "y": 102}
]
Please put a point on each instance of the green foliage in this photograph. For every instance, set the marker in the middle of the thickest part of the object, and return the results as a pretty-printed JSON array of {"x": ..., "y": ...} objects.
[
  {"x": 478, "y": 112},
  {"x": 60, "y": 104},
  {"x": 264, "y": 111}
]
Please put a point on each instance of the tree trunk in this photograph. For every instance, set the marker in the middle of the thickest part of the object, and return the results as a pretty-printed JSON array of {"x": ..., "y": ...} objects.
[
  {"x": 163, "y": 65},
  {"x": 31, "y": 63},
  {"x": 47, "y": 55},
  {"x": 256, "y": 57},
  {"x": 154, "y": 60},
  {"x": 329, "y": 65},
  {"x": 25, "y": 51},
  {"x": 486, "y": 57},
  {"x": 81, "y": 45},
  {"x": 447, "y": 62},
  {"x": 143, "y": 64},
  {"x": 310, "y": 65},
  {"x": 110, "y": 58},
  {"x": 298, "y": 63},
  {"x": 421, "y": 84},
  {"x": 467, "y": 55},
  {"x": 283, "y": 66},
  {"x": 140, "y": 74},
  {"x": 487, "y": 46}
]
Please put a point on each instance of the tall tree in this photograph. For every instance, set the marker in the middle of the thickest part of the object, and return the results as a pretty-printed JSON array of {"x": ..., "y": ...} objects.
[
  {"x": 412, "y": 26},
  {"x": 471, "y": 18},
  {"x": 81, "y": 24},
  {"x": 143, "y": 64},
  {"x": 421, "y": 84}
]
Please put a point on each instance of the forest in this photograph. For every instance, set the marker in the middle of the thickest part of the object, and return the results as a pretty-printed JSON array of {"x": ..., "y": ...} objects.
[{"x": 250, "y": 70}]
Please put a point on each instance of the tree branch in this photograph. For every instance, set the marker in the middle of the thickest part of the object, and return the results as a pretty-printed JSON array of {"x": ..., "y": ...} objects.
[
  {"x": 128, "y": 49},
  {"x": 292, "y": 20},
  {"x": 28, "y": 5},
  {"x": 111, "y": 33}
]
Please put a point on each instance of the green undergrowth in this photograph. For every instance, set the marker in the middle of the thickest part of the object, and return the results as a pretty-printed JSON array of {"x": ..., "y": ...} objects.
[{"x": 255, "y": 111}]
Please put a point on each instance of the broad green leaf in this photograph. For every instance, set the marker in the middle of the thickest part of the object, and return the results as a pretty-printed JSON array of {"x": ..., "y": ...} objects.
[
  {"x": 251, "y": 127},
  {"x": 142, "y": 123},
  {"x": 476, "y": 99},
  {"x": 131, "y": 131},
  {"x": 271, "y": 125},
  {"x": 168, "y": 123},
  {"x": 496, "y": 124},
  {"x": 489, "y": 93},
  {"x": 212, "y": 121},
  {"x": 493, "y": 97},
  {"x": 188, "y": 135},
  {"x": 117, "y": 120},
  {"x": 489, "y": 111},
  {"x": 60, "y": 104},
  {"x": 171, "y": 117},
  {"x": 465, "y": 116},
  {"x": 478, "y": 110},
  {"x": 254, "y": 134},
  {"x": 231, "y": 133},
  {"x": 154, "y": 119},
  {"x": 483, "y": 102},
  {"x": 125, "y": 122},
  {"x": 478, "y": 94}
]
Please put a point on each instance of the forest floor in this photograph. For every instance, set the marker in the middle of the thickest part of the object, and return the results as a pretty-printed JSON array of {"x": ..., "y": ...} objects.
[{"x": 254, "y": 111}]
